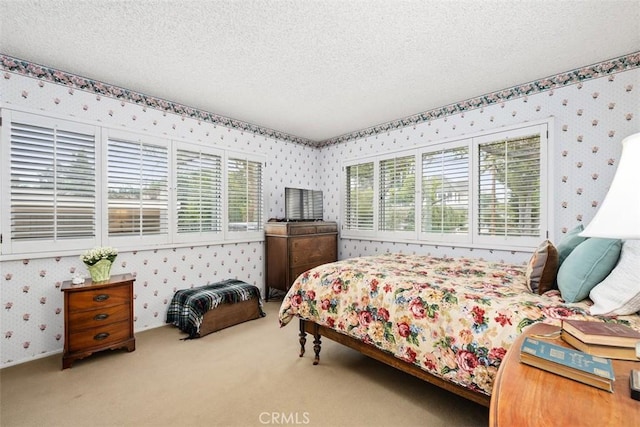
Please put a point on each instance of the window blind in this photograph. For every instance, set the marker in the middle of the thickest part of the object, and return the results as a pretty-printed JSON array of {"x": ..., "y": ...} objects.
[
  {"x": 199, "y": 191},
  {"x": 509, "y": 187},
  {"x": 397, "y": 194},
  {"x": 359, "y": 197},
  {"x": 245, "y": 202},
  {"x": 53, "y": 182},
  {"x": 445, "y": 191},
  {"x": 137, "y": 188}
]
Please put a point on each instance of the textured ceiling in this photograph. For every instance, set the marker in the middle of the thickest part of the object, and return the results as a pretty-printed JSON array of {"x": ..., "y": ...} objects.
[{"x": 317, "y": 69}]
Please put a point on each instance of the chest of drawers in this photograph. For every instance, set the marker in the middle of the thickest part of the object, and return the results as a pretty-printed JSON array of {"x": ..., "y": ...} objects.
[
  {"x": 294, "y": 247},
  {"x": 97, "y": 317}
]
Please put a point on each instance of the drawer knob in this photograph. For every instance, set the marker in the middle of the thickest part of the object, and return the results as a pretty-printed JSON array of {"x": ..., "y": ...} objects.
[
  {"x": 101, "y": 297},
  {"x": 101, "y": 316},
  {"x": 101, "y": 336}
]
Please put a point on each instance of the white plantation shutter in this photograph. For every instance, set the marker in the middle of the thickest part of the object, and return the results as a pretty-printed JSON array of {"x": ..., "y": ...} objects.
[
  {"x": 198, "y": 191},
  {"x": 138, "y": 194},
  {"x": 445, "y": 191},
  {"x": 487, "y": 191},
  {"x": 52, "y": 181},
  {"x": 397, "y": 194},
  {"x": 245, "y": 204},
  {"x": 359, "y": 193},
  {"x": 509, "y": 184}
]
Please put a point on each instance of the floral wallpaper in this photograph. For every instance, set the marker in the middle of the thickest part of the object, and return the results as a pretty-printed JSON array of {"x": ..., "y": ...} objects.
[
  {"x": 590, "y": 119},
  {"x": 593, "y": 109}
]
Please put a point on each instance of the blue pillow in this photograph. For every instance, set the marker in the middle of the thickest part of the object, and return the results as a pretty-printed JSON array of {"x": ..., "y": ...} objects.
[
  {"x": 586, "y": 266},
  {"x": 568, "y": 243}
]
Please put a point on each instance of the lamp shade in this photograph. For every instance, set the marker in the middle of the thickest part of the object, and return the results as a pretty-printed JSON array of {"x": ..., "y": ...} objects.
[{"x": 619, "y": 214}]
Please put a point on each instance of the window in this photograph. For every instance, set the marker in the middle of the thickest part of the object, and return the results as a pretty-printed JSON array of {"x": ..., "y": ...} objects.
[
  {"x": 509, "y": 186},
  {"x": 484, "y": 191},
  {"x": 51, "y": 179},
  {"x": 198, "y": 192},
  {"x": 137, "y": 187},
  {"x": 397, "y": 208},
  {"x": 445, "y": 193},
  {"x": 79, "y": 186},
  {"x": 244, "y": 193},
  {"x": 359, "y": 197}
]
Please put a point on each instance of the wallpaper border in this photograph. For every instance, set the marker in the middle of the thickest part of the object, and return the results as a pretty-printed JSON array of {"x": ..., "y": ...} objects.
[{"x": 33, "y": 70}]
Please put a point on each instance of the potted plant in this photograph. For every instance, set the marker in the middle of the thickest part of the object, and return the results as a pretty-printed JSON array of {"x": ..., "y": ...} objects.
[{"x": 98, "y": 261}]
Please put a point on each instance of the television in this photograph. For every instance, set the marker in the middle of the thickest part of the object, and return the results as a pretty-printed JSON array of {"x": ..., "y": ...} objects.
[{"x": 302, "y": 204}]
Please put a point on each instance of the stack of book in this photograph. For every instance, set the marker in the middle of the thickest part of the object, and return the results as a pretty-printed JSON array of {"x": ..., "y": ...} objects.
[
  {"x": 610, "y": 340},
  {"x": 570, "y": 363}
]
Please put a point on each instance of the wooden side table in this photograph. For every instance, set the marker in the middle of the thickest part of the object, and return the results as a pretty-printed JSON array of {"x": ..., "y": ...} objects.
[
  {"x": 527, "y": 396},
  {"x": 97, "y": 316}
]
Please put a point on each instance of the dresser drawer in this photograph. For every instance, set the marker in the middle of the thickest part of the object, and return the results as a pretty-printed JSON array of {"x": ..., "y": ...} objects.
[
  {"x": 313, "y": 250},
  {"x": 80, "y": 320},
  {"x": 303, "y": 229},
  {"x": 90, "y": 299},
  {"x": 331, "y": 228},
  {"x": 99, "y": 336}
]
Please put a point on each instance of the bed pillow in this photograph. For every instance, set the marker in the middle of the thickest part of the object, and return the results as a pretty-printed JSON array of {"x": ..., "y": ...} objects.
[
  {"x": 619, "y": 293},
  {"x": 569, "y": 242},
  {"x": 586, "y": 266},
  {"x": 542, "y": 268}
]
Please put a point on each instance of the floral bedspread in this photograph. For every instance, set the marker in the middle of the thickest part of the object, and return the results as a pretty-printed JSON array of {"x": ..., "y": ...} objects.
[{"x": 455, "y": 318}]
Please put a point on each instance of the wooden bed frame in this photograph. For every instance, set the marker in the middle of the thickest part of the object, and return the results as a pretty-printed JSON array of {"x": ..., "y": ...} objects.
[{"x": 318, "y": 331}]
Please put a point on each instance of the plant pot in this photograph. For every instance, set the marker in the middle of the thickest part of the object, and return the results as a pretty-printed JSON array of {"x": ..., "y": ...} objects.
[{"x": 100, "y": 271}]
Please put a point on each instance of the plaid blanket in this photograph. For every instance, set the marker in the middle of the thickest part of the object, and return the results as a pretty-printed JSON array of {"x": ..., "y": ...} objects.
[{"x": 188, "y": 306}]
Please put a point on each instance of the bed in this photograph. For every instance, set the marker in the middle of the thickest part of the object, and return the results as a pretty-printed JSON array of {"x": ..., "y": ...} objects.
[{"x": 447, "y": 321}]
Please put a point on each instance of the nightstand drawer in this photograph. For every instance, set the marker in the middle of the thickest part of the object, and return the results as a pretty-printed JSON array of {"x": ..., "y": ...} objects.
[
  {"x": 105, "y": 297},
  {"x": 81, "y": 320},
  {"x": 99, "y": 337}
]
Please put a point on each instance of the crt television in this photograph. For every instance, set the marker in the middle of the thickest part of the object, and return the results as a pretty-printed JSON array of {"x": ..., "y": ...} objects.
[{"x": 302, "y": 204}]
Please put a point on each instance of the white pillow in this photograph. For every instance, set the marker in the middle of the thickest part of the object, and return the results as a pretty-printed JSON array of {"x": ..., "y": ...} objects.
[{"x": 619, "y": 292}]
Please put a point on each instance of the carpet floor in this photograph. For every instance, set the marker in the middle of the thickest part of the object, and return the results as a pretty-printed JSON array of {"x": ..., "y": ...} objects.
[{"x": 246, "y": 375}]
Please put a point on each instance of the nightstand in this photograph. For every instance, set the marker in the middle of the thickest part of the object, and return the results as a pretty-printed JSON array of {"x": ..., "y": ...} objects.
[
  {"x": 97, "y": 316},
  {"x": 526, "y": 396}
]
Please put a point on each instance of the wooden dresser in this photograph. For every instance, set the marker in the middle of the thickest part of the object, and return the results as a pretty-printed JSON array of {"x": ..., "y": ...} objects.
[
  {"x": 97, "y": 316},
  {"x": 292, "y": 248}
]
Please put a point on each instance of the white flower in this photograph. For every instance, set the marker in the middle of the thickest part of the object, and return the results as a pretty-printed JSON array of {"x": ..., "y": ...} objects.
[{"x": 92, "y": 256}]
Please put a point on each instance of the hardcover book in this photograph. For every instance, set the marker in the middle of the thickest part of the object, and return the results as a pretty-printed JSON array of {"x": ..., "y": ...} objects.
[
  {"x": 609, "y": 351},
  {"x": 573, "y": 364},
  {"x": 602, "y": 333}
]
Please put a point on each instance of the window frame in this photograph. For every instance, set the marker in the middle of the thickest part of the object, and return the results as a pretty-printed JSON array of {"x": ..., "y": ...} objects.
[
  {"x": 471, "y": 239},
  {"x": 9, "y": 245},
  {"x": 10, "y": 249},
  {"x": 257, "y": 234},
  {"x": 201, "y": 236},
  {"x": 142, "y": 238}
]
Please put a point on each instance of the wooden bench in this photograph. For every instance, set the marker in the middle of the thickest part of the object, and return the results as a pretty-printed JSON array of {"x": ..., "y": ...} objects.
[{"x": 206, "y": 309}]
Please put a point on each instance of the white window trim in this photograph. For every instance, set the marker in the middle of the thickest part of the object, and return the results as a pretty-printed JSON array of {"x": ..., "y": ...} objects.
[
  {"x": 9, "y": 246},
  {"x": 546, "y": 128},
  {"x": 15, "y": 250},
  {"x": 521, "y": 242},
  {"x": 128, "y": 241},
  {"x": 232, "y": 236},
  {"x": 212, "y": 236},
  {"x": 443, "y": 237}
]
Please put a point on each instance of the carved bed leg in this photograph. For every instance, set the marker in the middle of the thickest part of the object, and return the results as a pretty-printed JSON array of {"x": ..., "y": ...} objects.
[
  {"x": 303, "y": 338},
  {"x": 316, "y": 345}
]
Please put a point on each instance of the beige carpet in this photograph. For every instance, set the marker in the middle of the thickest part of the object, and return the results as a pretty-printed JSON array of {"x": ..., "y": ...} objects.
[{"x": 246, "y": 375}]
